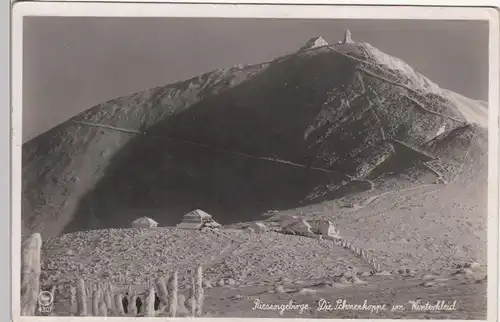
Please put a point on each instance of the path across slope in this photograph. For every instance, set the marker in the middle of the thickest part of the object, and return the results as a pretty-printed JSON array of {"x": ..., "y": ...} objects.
[{"x": 205, "y": 146}]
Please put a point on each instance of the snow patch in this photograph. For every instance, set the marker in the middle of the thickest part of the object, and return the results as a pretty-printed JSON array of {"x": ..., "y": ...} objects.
[
  {"x": 418, "y": 81},
  {"x": 473, "y": 111},
  {"x": 441, "y": 130}
]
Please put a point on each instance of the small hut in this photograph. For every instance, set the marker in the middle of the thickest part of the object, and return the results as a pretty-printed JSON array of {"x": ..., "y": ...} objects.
[
  {"x": 299, "y": 227},
  {"x": 198, "y": 219},
  {"x": 323, "y": 227},
  {"x": 144, "y": 222}
]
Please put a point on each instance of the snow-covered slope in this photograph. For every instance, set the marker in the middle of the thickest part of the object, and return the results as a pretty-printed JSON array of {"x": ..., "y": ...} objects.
[{"x": 239, "y": 141}]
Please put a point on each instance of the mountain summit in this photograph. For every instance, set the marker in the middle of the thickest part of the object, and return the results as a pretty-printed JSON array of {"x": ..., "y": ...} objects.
[
  {"x": 314, "y": 43},
  {"x": 315, "y": 125}
]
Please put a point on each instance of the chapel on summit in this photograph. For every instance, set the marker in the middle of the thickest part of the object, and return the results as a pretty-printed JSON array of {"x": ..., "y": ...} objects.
[{"x": 314, "y": 43}]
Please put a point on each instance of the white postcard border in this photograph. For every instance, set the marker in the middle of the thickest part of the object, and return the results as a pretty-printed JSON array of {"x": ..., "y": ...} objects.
[{"x": 247, "y": 11}]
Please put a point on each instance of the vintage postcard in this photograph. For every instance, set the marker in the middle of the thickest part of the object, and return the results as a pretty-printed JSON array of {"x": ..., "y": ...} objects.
[{"x": 175, "y": 160}]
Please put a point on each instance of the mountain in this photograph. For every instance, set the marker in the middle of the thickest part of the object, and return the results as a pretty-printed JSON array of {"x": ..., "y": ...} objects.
[{"x": 323, "y": 123}]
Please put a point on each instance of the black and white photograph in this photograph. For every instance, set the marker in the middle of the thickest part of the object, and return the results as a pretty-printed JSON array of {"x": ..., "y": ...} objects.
[{"x": 256, "y": 167}]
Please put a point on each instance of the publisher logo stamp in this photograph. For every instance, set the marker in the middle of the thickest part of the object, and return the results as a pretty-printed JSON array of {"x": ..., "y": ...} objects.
[{"x": 45, "y": 300}]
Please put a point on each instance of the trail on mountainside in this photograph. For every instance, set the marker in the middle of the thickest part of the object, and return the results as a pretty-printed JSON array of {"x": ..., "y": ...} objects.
[
  {"x": 373, "y": 198},
  {"x": 242, "y": 154}
]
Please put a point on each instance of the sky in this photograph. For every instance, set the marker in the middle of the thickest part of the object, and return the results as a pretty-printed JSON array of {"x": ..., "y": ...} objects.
[{"x": 71, "y": 64}]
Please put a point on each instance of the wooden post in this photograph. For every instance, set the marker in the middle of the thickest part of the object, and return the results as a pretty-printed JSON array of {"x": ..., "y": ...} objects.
[{"x": 30, "y": 275}]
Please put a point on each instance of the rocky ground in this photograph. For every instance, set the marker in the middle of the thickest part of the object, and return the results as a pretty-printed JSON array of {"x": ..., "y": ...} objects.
[
  {"x": 423, "y": 254},
  {"x": 429, "y": 239},
  {"x": 241, "y": 268}
]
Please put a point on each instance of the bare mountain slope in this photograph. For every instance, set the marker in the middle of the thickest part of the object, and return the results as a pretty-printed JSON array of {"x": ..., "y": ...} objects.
[
  {"x": 64, "y": 163},
  {"x": 240, "y": 141}
]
